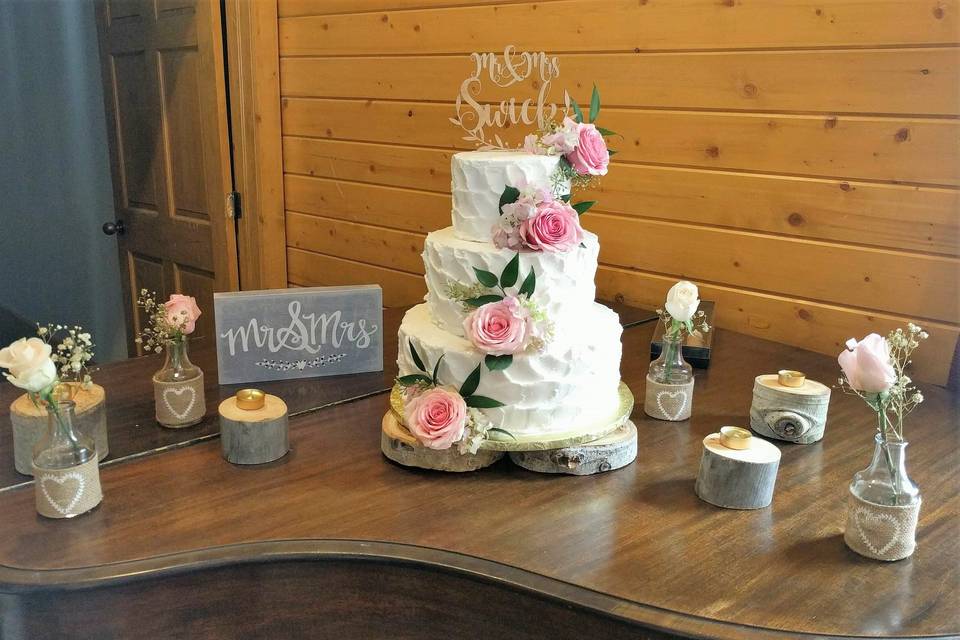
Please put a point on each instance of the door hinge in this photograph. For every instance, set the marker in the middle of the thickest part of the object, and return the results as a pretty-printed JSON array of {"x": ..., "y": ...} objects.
[{"x": 233, "y": 205}]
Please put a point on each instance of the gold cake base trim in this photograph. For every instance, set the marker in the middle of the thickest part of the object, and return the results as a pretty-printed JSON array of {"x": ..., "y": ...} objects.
[{"x": 568, "y": 437}]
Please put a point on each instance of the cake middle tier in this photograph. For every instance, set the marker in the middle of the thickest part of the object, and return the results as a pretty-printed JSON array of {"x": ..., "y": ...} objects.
[
  {"x": 573, "y": 382},
  {"x": 564, "y": 280}
]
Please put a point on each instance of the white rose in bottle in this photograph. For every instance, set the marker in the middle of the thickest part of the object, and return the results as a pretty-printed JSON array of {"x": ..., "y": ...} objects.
[
  {"x": 683, "y": 299},
  {"x": 29, "y": 364}
]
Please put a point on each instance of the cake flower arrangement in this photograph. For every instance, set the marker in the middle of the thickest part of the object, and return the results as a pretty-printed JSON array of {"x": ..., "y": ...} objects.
[
  {"x": 440, "y": 416},
  {"x": 540, "y": 217}
]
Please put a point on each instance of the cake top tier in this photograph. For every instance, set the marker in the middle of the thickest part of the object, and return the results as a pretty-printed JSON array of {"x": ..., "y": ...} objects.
[{"x": 478, "y": 181}]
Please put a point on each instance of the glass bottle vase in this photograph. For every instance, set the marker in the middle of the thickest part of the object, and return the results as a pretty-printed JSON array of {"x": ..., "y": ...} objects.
[
  {"x": 669, "y": 392},
  {"x": 883, "y": 505},
  {"x": 178, "y": 388},
  {"x": 65, "y": 466}
]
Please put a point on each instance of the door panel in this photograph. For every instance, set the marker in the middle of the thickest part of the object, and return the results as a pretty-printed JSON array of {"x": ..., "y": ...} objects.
[{"x": 165, "y": 97}]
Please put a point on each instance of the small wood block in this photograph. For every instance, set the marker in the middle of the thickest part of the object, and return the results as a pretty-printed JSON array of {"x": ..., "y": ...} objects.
[
  {"x": 793, "y": 414},
  {"x": 399, "y": 445},
  {"x": 606, "y": 454},
  {"x": 30, "y": 422},
  {"x": 737, "y": 478},
  {"x": 254, "y": 437}
]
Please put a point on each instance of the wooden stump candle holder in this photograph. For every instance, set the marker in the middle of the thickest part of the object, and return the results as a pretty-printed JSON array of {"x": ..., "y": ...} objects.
[
  {"x": 611, "y": 452},
  {"x": 30, "y": 422},
  {"x": 796, "y": 413},
  {"x": 737, "y": 478},
  {"x": 253, "y": 428}
]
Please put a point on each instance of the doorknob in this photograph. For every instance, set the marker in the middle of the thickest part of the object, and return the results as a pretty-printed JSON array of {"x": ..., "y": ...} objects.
[{"x": 111, "y": 228}]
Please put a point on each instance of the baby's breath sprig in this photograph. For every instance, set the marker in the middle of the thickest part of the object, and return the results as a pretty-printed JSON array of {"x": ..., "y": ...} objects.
[
  {"x": 72, "y": 351},
  {"x": 695, "y": 326},
  {"x": 158, "y": 329}
]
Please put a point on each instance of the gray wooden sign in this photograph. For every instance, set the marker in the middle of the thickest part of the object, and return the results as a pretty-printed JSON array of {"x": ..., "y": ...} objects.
[{"x": 298, "y": 333}]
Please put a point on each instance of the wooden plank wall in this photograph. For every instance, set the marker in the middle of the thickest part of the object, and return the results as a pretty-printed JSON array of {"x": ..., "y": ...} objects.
[{"x": 800, "y": 160}]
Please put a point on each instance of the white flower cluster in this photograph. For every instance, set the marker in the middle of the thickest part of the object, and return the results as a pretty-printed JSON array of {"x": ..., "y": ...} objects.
[
  {"x": 475, "y": 431},
  {"x": 72, "y": 354}
]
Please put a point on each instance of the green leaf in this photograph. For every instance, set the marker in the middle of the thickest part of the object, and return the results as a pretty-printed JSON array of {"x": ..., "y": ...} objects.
[
  {"x": 495, "y": 363},
  {"x": 578, "y": 115},
  {"x": 607, "y": 132},
  {"x": 582, "y": 207},
  {"x": 485, "y": 278},
  {"x": 416, "y": 357},
  {"x": 594, "y": 104},
  {"x": 482, "y": 300},
  {"x": 470, "y": 384},
  {"x": 436, "y": 368},
  {"x": 414, "y": 378},
  {"x": 503, "y": 431},
  {"x": 612, "y": 152},
  {"x": 482, "y": 402},
  {"x": 529, "y": 284},
  {"x": 509, "y": 196},
  {"x": 566, "y": 197},
  {"x": 510, "y": 272}
]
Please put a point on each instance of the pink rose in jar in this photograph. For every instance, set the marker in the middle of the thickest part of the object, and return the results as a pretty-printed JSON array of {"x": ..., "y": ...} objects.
[
  {"x": 182, "y": 312},
  {"x": 554, "y": 228},
  {"x": 590, "y": 157},
  {"x": 499, "y": 328},
  {"x": 436, "y": 417},
  {"x": 867, "y": 365}
]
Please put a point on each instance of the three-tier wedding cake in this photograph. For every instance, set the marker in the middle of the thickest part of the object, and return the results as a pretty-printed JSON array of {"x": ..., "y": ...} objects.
[{"x": 510, "y": 351}]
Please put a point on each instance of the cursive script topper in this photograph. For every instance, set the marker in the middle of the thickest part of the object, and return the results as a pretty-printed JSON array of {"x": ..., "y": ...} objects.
[{"x": 480, "y": 120}]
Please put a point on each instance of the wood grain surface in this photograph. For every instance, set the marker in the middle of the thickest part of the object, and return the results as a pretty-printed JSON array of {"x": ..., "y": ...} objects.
[
  {"x": 633, "y": 545},
  {"x": 131, "y": 422}
]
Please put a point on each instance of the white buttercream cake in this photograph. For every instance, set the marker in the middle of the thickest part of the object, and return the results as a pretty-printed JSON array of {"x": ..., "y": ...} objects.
[{"x": 574, "y": 377}]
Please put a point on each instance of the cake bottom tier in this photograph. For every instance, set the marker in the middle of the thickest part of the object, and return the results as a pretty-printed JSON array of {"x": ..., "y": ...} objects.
[{"x": 573, "y": 381}]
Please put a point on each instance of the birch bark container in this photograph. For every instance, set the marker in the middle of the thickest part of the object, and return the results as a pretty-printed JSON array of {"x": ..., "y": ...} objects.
[
  {"x": 253, "y": 428},
  {"x": 30, "y": 422},
  {"x": 737, "y": 478},
  {"x": 792, "y": 413}
]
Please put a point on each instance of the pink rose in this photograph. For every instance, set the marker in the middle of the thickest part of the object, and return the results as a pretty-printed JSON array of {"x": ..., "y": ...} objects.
[
  {"x": 182, "y": 312},
  {"x": 555, "y": 228},
  {"x": 436, "y": 417},
  {"x": 591, "y": 156},
  {"x": 866, "y": 364},
  {"x": 499, "y": 328}
]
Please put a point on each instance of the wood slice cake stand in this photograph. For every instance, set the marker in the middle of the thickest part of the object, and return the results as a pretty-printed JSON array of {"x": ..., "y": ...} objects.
[{"x": 617, "y": 449}]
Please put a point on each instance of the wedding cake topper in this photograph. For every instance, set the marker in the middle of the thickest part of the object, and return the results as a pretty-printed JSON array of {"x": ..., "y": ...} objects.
[{"x": 513, "y": 67}]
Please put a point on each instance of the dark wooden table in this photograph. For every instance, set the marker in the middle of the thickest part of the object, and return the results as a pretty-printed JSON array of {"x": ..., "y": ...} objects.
[{"x": 335, "y": 541}]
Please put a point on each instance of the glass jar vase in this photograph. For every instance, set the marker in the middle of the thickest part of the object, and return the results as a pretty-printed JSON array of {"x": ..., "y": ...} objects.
[
  {"x": 65, "y": 466},
  {"x": 883, "y": 505},
  {"x": 669, "y": 393},
  {"x": 178, "y": 388}
]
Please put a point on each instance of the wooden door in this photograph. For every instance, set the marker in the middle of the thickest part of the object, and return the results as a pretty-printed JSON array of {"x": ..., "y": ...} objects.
[{"x": 164, "y": 88}]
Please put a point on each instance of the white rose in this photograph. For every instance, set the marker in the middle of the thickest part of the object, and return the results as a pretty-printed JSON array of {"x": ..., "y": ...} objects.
[
  {"x": 29, "y": 364},
  {"x": 683, "y": 300}
]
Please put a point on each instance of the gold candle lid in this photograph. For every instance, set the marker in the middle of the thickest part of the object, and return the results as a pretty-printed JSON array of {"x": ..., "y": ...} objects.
[
  {"x": 735, "y": 438},
  {"x": 790, "y": 378},
  {"x": 250, "y": 399}
]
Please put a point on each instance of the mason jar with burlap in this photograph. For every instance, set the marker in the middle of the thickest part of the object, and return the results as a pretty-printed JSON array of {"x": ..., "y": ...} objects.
[{"x": 178, "y": 388}]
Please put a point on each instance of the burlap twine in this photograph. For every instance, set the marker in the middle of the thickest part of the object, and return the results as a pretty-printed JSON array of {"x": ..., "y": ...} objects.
[
  {"x": 179, "y": 404},
  {"x": 64, "y": 493},
  {"x": 881, "y": 532},
  {"x": 668, "y": 401}
]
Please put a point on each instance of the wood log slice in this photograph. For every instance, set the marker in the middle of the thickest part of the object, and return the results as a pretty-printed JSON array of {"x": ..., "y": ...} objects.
[
  {"x": 737, "y": 478},
  {"x": 30, "y": 422},
  {"x": 254, "y": 436},
  {"x": 611, "y": 452},
  {"x": 399, "y": 445}
]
